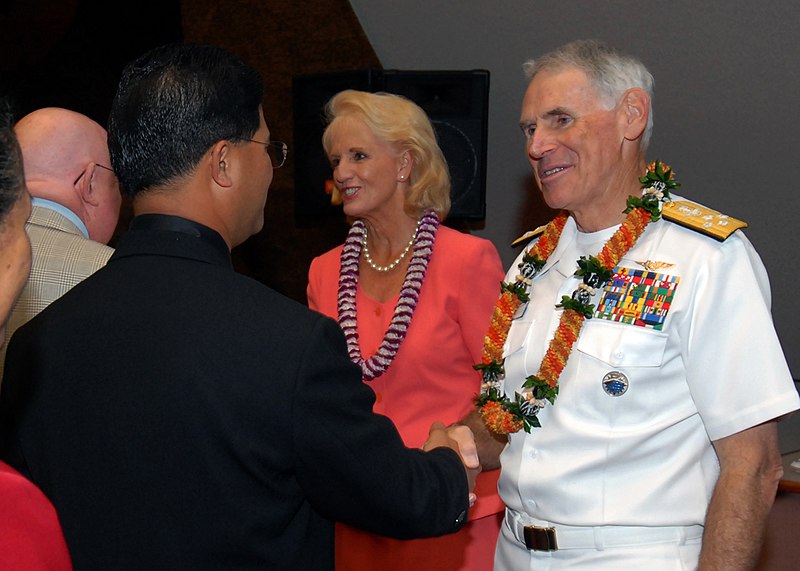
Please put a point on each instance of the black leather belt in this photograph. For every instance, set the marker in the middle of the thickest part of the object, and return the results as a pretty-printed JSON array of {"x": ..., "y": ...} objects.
[{"x": 540, "y": 538}]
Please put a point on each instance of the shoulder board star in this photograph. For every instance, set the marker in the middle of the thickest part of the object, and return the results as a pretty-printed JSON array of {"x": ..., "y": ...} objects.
[
  {"x": 530, "y": 234},
  {"x": 702, "y": 219}
]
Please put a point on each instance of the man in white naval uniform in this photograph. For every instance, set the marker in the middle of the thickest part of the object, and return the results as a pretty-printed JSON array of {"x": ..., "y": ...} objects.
[{"x": 660, "y": 449}]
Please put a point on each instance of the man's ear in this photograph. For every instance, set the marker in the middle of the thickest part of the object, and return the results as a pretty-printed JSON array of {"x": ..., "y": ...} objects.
[
  {"x": 220, "y": 163},
  {"x": 636, "y": 109},
  {"x": 85, "y": 188}
]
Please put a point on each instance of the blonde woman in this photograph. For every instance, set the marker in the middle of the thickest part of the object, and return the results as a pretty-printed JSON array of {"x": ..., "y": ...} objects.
[{"x": 414, "y": 299}]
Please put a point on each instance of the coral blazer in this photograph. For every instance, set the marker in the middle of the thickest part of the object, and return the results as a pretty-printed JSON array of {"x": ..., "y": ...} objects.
[{"x": 431, "y": 377}]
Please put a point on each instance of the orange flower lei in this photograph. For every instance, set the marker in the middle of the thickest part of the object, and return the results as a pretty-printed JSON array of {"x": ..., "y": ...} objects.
[{"x": 503, "y": 415}]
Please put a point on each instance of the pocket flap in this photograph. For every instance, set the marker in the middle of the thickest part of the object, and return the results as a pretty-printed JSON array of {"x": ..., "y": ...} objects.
[{"x": 622, "y": 345}]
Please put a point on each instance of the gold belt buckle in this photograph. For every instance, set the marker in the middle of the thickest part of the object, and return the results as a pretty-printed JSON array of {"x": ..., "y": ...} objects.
[{"x": 540, "y": 538}]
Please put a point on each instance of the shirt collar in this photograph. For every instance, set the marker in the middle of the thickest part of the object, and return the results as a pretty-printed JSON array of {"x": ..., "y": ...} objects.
[{"x": 64, "y": 211}]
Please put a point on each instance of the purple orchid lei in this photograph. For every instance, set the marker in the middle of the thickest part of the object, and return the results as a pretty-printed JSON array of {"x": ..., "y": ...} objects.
[{"x": 376, "y": 365}]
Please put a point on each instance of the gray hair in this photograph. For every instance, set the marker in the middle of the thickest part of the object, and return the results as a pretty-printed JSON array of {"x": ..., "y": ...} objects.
[{"x": 612, "y": 72}]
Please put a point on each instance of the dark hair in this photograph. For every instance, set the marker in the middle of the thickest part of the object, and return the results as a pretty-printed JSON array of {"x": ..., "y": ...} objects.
[
  {"x": 12, "y": 174},
  {"x": 172, "y": 104}
]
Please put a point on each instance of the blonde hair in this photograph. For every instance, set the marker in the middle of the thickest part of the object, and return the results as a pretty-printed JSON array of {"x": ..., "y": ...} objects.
[{"x": 400, "y": 122}]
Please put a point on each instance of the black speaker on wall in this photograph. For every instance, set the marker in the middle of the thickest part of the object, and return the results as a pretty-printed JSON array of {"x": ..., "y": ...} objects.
[{"x": 457, "y": 103}]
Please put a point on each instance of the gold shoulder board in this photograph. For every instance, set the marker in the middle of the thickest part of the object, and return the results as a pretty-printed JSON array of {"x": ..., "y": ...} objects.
[
  {"x": 528, "y": 235},
  {"x": 701, "y": 219}
]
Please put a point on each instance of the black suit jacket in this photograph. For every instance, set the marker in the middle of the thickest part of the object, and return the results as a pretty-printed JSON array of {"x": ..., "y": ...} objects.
[{"x": 182, "y": 416}]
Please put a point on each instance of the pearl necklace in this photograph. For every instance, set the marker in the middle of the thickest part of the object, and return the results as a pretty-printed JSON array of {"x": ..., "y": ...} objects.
[
  {"x": 376, "y": 365},
  {"x": 399, "y": 258}
]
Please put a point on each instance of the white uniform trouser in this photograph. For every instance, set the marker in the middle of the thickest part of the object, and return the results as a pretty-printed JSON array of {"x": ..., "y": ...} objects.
[{"x": 598, "y": 548}]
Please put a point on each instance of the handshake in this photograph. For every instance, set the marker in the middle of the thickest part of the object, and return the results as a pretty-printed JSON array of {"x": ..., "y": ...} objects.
[{"x": 460, "y": 438}]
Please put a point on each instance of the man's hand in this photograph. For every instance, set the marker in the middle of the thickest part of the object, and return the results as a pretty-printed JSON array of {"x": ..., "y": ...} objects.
[
  {"x": 459, "y": 438},
  {"x": 489, "y": 444}
]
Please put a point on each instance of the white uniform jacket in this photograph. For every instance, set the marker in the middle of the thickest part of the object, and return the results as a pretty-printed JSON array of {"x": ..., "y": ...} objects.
[{"x": 689, "y": 355}]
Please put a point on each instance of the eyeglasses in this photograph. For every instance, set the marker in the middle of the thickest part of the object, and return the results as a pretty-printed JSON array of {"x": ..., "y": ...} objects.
[
  {"x": 83, "y": 172},
  {"x": 277, "y": 151}
]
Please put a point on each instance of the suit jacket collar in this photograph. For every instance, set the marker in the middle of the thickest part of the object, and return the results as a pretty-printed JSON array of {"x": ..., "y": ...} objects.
[
  {"x": 166, "y": 235},
  {"x": 51, "y": 215}
]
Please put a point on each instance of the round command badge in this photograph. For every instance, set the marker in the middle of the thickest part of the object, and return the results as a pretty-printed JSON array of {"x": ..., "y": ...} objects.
[{"x": 615, "y": 383}]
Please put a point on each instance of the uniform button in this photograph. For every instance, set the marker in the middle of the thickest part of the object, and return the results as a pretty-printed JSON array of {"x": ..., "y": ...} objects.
[
  {"x": 619, "y": 354},
  {"x": 378, "y": 397},
  {"x": 378, "y": 310}
]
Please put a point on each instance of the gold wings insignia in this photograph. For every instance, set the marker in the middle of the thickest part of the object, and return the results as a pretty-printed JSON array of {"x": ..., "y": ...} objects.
[{"x": 654, "y": 265}]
